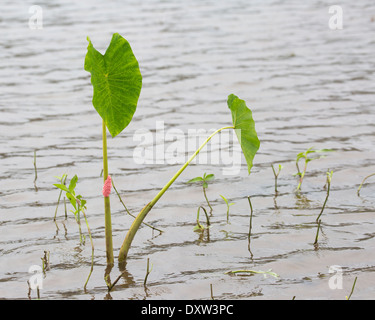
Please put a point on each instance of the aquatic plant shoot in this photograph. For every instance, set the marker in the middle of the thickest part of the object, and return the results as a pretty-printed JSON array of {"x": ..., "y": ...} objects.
[{"x": 117, "y": 83}]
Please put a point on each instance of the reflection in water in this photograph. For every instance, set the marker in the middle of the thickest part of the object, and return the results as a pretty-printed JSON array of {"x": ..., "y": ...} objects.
[{"x": 302, "y": 202}]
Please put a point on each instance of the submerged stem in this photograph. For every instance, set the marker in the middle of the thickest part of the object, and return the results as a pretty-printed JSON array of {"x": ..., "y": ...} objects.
[{"x": 137, "y": 222}]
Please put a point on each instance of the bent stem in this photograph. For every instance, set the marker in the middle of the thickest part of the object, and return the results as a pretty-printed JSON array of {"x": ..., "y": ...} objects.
[
  {"x": 363, "y": 181},
  {"x": 138, "y": 221},
  {"x": 199, "y": 226},
  {"x": 329, "y": 179},
  {"x": 107, "y": 205},
  {"x": 208, "y": 203}
]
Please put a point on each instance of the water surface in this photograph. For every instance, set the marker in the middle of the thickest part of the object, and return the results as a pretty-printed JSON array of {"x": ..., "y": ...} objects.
[{"x": 306, "y": 84}]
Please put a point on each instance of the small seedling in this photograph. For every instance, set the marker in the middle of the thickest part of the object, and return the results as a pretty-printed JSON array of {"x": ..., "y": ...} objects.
[
  {"x": 305, "y": 155},
  {"x": 328, "y": 184},
  {"x": 204, "y": 180},
  {"x": 79, "y": 205},
  {"x": 228, "y": 205},
  {"x": 363, "y": 181},
  {"x": 276, "y": 174}
]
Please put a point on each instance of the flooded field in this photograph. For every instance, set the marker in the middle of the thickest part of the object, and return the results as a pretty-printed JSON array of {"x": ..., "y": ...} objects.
[{"x": 307, "y": 85}]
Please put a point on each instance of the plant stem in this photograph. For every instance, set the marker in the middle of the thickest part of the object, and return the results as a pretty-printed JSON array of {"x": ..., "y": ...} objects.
[
  {"x": 137, "y": 222},
  {"x": 107, "y": 205},
  {"x": 92, "y": 250},
  {"x": 250, "y": 226},
  {"x": 355, "y": 280},
  {"x": 129, "y": 213},
  {"x": 35, "y": 171},
  {"x": 148, "y": 271},
  {"x": 363, "y": 181},
  {"x": 324, "y": 204},
  {"x": 207, "y": 218},
  {"x": 317, "y": 234},
  {"x": 212, "y": 292},
  {"x": 302, "y": 176},
  {"x": 78, "y": 219},
  {"x": 276, "y": 175},
  {"x": 205, "y": 195},
  {"x": 58, "y": 200}
]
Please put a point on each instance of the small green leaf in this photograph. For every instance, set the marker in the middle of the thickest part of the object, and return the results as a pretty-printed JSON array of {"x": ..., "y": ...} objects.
[
  {"x": 244, "y": 126},
  {"x": 117, "y": 83},
  {"x": 62, "y": 187},
  {"x": 72, "y": 200},
  {"x": 205, "y": 185},
  {"x": 195, "y": 180},
  {"x": 73, "y": 184},
  {"x": 226, "y": 201},
  {"x": 209, "y": 177}
]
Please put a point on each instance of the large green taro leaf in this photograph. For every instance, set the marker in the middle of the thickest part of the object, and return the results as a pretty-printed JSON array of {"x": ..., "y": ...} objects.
[
  {"x": 117, "y": 83},
  {"x": 244, "y": 126}
]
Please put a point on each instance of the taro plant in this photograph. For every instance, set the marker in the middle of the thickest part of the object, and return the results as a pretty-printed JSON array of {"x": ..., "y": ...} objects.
[
  {"x": 244, "y": 126},
  {"x": 117, "y": 83},
  {"x": 306, "y": 156},
  {"x": 204, "y": 181}
]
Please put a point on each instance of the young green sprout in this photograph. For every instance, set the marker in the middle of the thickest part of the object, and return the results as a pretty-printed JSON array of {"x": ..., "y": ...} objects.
[
  {"x": 363, "y": 181},
  {"x": 203, "y": 180},
  {"x": 79, "y": 205},
  {"x": 276, "y": 175},
  {"x": 305, "y": 155},
  {"x": 328, "y": 184},
  {"x": 228, "y": 205}
]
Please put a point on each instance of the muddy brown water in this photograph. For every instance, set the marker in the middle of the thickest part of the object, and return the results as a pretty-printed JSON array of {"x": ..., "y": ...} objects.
[{"x": 306, "y": 84}]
